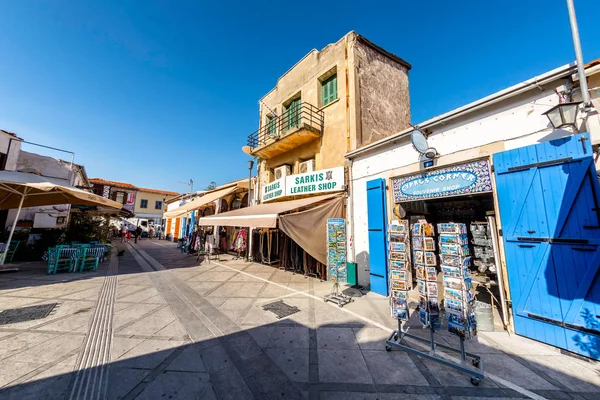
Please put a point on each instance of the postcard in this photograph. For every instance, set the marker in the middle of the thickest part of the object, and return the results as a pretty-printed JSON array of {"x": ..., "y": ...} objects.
[
  {"x": 417, "y": 229},
  {"x": 429, "y": 244},
  {"x": 452, "y": 261},
  {"x": 399, "y": 294},
  {"x": 422, "y": 289},
  {"x": 420, "y": 270},
  {"x": 419, "y": 257},
  {"x": 397, "y": 256},
  {"x": 430, "y": 258},
  {"x": 398, "y": 265},
  {"x": 402, "y": 315},
  {"x": 402, "y": 275},
  {"x": 432, "y": 289},
  {"x": 397, "y": 246},
  {"x": 453, "y": 294},
  {"x": 417, "y": 243},
  {"x": 431, "y": 274},
  {"x": 399, "y": 285}
]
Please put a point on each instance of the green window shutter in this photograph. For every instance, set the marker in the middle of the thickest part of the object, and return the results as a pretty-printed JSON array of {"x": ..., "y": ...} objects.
[{"x": 329, "y": 90}]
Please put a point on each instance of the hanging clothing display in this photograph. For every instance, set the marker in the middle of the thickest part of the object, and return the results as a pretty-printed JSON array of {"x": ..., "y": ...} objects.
[{"x": 239, "y": 243}]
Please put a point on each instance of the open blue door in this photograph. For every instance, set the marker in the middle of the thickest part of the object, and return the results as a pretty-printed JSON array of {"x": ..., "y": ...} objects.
[
  {"x": 550, "y": 212},
  {"x": 377, "y": 224}
]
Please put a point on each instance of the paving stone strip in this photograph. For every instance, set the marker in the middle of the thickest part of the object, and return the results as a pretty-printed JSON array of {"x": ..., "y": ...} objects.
[{"x": 91, "y": 374}]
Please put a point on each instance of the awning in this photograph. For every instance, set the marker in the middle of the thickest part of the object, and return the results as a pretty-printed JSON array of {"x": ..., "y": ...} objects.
[
  {"x": 262, "y": 215},
  {"x": 199, "y": 202}
]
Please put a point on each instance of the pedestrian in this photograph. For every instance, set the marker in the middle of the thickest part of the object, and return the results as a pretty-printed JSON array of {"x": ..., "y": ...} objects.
[
  {"x": 128, "y": 236},
  {"x": 123, "y": 231},
  {"x": 138, "y": 233}
]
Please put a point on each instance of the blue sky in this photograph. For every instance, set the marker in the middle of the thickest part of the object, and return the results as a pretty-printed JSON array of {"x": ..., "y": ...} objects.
[{"x": 157, "y": 92}]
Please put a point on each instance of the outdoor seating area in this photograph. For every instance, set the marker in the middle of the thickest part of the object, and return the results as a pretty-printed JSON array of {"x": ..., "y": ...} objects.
[{"x": 76, "y": 257}]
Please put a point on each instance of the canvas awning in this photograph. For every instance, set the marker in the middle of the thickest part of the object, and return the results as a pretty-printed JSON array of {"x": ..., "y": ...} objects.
[
  {"x": 199, "y": 202},
  {"x": 262, "y": 215}
]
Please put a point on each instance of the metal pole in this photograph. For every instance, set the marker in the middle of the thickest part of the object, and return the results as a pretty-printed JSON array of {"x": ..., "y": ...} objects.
[
  {"x": 7, "y": 245},
  {"x": 250, "y": 166},
  {"x": 578, "y": 54}
]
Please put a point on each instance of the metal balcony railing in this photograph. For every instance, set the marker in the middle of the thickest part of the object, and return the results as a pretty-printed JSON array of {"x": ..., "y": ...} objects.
[{"x": 295, "y": 116}]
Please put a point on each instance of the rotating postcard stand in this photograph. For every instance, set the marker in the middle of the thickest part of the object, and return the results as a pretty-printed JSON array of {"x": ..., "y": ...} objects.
[
  {"x": 457, "y": 295},
  {"x": 336, "y": 261}
]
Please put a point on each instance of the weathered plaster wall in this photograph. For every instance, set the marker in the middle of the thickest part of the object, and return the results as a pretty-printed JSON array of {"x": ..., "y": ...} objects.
[
  {"x": 511, "y": 124},
  {"x": 384, "y": 100}
]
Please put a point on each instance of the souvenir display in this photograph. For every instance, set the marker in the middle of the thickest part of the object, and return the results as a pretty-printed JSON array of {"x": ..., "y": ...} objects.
[
  {"x": 336, "y": 254},
  {"x": 483, "y": 251},
  {"x": 458, "y": 295},
  {"x": 399, "y": 268},
  {"x": 426, "y": 272}
]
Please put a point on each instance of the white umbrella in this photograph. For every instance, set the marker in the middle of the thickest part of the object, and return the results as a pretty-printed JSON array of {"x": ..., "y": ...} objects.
[{"x": 21, "y": 189}]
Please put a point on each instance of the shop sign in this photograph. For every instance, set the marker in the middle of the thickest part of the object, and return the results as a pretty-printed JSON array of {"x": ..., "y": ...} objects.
[
  {"x": 273, "y": 190},
  {"x": 469, "y": 178},
  {"x": 130, "y": 198},
  {"x": 324, "y": 180}
]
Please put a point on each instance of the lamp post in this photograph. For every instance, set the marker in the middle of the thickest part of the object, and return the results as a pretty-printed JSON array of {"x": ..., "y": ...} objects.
[
  {"x": 578, "y": 54},
  {"x": 250, "y": 166}
]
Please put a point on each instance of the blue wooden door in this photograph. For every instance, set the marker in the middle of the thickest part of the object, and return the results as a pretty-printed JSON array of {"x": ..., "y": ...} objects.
[
  {"x": 548, "y": 196},
  {"x": 377, "y": 224}
]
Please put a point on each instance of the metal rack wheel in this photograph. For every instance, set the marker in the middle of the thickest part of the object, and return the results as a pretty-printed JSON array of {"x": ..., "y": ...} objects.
[
  {"x": 475, "y": 363},
  {"x": 388, "y": 347},
  {"x": 475, "y": 381}
]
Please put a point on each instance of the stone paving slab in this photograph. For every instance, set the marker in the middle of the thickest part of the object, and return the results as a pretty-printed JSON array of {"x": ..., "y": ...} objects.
[{"x": 190, "y": 330}]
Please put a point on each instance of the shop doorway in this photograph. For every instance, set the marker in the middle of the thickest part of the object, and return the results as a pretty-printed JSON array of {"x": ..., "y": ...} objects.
[{"x": 550, "y": 212}]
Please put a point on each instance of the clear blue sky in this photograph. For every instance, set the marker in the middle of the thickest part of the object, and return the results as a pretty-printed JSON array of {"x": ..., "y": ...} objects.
[{"x": 156, "y": 92}]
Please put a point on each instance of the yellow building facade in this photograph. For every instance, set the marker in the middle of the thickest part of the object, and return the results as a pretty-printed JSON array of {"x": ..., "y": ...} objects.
[{"x": 349, "y": 94}]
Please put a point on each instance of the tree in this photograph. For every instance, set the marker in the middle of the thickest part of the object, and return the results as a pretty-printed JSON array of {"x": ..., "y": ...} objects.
[{"x": 212, "y": 185}]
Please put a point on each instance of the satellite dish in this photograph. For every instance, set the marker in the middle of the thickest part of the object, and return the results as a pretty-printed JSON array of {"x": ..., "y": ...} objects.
[
  {"x": 419, "y": 141},
  {"x": 247, "y": 149}
]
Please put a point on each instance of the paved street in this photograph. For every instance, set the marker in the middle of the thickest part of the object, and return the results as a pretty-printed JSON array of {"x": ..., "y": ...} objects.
[{"x": 154, "y": 324}]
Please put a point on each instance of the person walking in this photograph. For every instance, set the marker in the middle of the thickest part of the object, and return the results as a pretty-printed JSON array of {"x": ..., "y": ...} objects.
[
  {"x": 123, "y": 232},
  {"x": 128, "y": 236},
  {"x": 138, "y": 233}
]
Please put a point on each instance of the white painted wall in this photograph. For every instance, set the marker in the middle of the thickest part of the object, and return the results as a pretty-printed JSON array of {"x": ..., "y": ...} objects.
[
  {"x": 13, "y": 152},
  {"x": 514, "y": 123}
]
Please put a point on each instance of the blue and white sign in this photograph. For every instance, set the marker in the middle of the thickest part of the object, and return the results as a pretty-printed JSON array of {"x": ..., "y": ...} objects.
[{"x": 473, "y": 177}]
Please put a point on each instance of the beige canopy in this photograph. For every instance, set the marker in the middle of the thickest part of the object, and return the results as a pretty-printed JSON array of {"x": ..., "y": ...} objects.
[
  {"x": 199, "y": 202},
  {"x": 309, "y": 228},
  {"x": 34, "y": 190},
  {"x": 260, "y": 216},
  {"x": 21, "y": 189}
]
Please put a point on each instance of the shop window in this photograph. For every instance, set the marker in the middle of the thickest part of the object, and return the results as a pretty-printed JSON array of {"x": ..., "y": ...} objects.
[
  {"x": 143, "y": 203},
  {"x": 158, "y": 205},
  {"x": 329, "y": 91}
]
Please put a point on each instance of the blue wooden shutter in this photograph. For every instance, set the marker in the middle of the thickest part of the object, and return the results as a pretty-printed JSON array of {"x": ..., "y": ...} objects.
[{"x": 377, "y": 224}]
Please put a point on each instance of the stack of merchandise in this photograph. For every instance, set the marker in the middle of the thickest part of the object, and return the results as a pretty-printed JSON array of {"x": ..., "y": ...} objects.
[
  {"x": 458, "y": 293},
  {"x": 425, "y": 266},
  {"x": 399, "y": 268},
  {"x": 483, "y": 251}
]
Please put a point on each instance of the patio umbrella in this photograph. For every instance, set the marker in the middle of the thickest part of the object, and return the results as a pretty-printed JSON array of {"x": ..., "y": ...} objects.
[{"x": 21, "y": 189}]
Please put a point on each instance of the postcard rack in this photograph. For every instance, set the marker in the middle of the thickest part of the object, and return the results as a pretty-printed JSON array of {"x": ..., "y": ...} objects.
[
  {"x": 396, "y": 342},
  {"x": 337, "y": 270},
  {"x": 458, "y": 297}
]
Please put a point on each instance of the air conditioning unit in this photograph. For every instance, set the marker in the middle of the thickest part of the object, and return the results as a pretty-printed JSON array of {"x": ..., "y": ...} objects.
[
  {"x": 283, "y": 171},
  {"x": 307, "y": 166}
]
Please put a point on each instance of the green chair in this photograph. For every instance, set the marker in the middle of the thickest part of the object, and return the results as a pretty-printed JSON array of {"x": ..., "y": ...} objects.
[
  {"x": 12, "y": 249},
  {"x": 57, "y": 263},
  {"x": 88, "y": 257}
]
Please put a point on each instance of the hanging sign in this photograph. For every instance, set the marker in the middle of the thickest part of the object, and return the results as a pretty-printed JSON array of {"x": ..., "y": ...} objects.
[
  {"x": 130, "y": 198},
  {"x": 473, "y": 177},
  {"x": 336, "y": 250},
  {"x": 324, "y": 180},
  {"x": 273, "y": 190}
]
